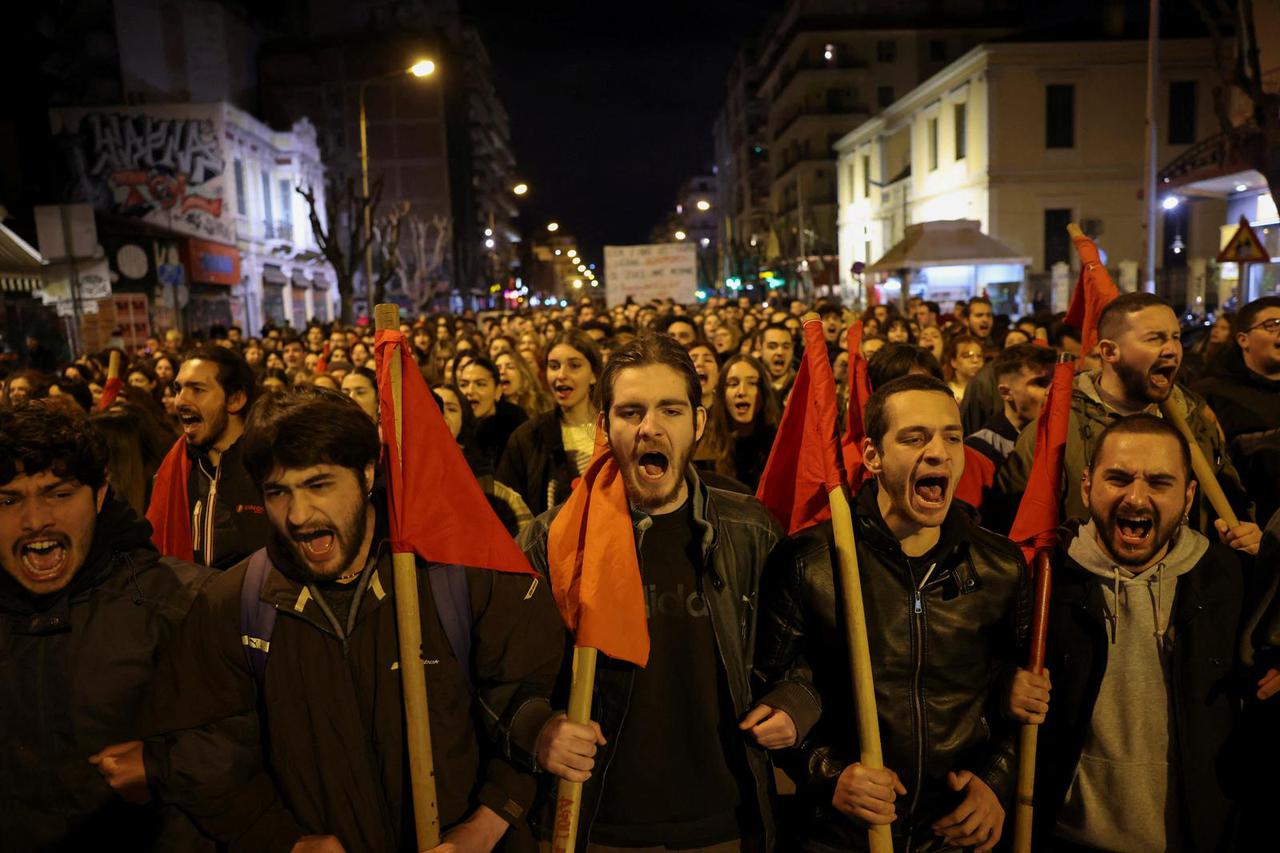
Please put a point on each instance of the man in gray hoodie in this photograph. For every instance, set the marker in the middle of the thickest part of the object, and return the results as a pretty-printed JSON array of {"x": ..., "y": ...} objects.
[{"x": 1143, "y": 624}]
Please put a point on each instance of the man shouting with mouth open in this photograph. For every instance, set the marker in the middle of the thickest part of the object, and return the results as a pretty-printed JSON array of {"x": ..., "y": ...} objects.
[{"x": 947, "y": 610}]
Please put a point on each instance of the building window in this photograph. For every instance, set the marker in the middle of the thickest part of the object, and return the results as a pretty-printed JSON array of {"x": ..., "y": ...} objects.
[
  {"x": 884, "y": 96},
  {"x": 1182, "y": 112},
  {"x": 960, "y": 116},
  {"x": 866, "y": 175},
  {"x": 1057, "y": 244},
  {"x": 241, "y": 207},
  {"x": 886, "y": 50},
  {"x": 937, "y": 50},
  {"x": 933, "y": 144},
  {"x": 286, "y": 203},
  {"x": 268, "y": 214},
  {"x": 1060, "y": 116}
]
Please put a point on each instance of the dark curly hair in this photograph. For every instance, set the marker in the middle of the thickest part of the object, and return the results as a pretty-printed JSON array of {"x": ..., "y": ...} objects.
[
  {"x": 303, "y": 426},
  {"x": 36, "y": 437}
]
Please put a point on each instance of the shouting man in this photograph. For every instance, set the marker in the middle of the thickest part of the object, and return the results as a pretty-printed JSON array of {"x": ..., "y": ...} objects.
[
  {"x": 86, "y": 605},
  {"x": 1143, "y": 624},
  {"x": 663, "y": 765},
  {"x": 946, "y": 605},
  {"x": 295, "y": 649}
]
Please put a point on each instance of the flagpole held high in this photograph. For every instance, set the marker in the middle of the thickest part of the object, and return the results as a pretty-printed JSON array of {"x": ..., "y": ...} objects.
[{"x": 413, "y": 677}]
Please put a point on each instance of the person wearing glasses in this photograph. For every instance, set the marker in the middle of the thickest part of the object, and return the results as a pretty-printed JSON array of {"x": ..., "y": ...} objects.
[{"x": 1244, "y": 392}]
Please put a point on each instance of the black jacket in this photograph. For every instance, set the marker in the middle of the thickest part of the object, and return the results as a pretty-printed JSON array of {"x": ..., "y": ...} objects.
[
  {"x": 493, "y": 432},
  {"x": 1245, "y": 402},
  {"x": 74, "y": 667},
  {"x": 535, "y": 463},
  {"x": 737, "y": 535},
  {"x": 239, "y": 525},
  {"x": 1206, "y": 691},
  {"x": 946, "y": 632},
  {"x": 330, "y": 712}
]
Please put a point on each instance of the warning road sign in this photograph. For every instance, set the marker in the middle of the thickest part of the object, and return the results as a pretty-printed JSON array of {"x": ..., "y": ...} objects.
[{"x": 1244, "y": 247}]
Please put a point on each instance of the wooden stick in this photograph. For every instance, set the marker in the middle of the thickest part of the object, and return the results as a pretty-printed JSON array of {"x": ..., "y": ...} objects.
[
  {"x": 413, "y": 675},
  {"x": 1209, "y": 485},
  {"x": 879, "y": 836},
  {"x": 1074, "y": 231},
  {"x": 113, "y": 365},
  {"x": 1028, "y": 734},
  {"x": 569, "y": 794}
]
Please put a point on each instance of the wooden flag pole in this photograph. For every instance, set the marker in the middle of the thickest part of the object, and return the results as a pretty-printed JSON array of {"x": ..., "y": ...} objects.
[
  {"x": 864, "y": 691},
  {"x": 413, "y": 675},
  {"x": 1029, "y": 734},
  {"x": 113, "y": 365},
  {"x": 569, "y": 794},
  {"x": 1203, "y": 470}
]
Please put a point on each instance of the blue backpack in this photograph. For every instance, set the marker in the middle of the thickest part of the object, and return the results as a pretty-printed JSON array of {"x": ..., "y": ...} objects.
[{"x": 258, "y": 619}]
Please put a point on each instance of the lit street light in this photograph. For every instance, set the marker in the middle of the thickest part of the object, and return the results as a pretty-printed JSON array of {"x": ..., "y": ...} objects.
[
  {"x": 488, "y": 244},
  {"x": 520, "y": 189},
  {"x": 680, "y": 235},
  {"x": 421, "y": 68},
  {"x": 553, "y": 227},
  {"x": 703, "y": 204},
  {"x": 577, "y": 284},
  {"x": 573, "y": 253}
]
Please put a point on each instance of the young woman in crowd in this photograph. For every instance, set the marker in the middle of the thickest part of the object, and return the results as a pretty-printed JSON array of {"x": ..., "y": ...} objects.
[
  {"x": 962, "y": 362},
  {"x": 707, "y": 365},
  {"x": 518, "y": 385},
  {"x": 741, "y": 423},
  {"x": 496, "y": 419},
  {"x": 546, "y": 454},
  {"x": 930, "y": 338},
  {"x": 361, "y": 385}
]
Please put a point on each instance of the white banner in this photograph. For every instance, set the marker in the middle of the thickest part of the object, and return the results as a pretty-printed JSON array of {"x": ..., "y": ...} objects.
[{"x": 648, "y": 272}]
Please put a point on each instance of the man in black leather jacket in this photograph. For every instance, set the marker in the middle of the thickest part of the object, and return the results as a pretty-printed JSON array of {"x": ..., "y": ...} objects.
[{"x": 947, "y": 606}]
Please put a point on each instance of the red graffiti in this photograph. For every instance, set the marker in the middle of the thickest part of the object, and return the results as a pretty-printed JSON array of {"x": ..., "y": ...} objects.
[{"x": 163, "y": 191}]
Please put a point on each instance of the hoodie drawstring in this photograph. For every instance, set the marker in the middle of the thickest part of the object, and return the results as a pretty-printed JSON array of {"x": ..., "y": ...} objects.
[{"x": 1158, "y": 599}]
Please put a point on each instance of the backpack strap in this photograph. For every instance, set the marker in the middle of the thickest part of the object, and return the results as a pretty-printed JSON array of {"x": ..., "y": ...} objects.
[
  {"x": 453, "y": 606},
  {"x": 257, "y": 618}
]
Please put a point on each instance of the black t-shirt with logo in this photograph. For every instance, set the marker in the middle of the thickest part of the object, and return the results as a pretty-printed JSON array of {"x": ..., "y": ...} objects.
[{"x": 670, "y": 781}]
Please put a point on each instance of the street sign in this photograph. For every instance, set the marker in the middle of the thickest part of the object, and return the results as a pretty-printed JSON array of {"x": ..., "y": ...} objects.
[{"x": 1244, "y": 247}]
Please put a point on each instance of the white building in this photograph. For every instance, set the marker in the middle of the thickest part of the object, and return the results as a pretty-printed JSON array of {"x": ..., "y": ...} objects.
[
  {"x": 1022, "y": 138},
  {"x": 197, "y": 209}
]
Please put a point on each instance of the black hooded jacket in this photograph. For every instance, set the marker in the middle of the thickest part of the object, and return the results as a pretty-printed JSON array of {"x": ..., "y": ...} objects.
[{"x": 73, "y": 668}]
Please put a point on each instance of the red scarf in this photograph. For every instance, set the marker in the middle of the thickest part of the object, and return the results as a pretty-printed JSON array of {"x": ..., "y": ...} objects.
[{"x": 169, "y": 512}]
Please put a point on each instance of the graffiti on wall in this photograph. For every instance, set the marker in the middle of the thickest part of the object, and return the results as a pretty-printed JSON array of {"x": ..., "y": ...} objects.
[{"x": 164, "y": 165}]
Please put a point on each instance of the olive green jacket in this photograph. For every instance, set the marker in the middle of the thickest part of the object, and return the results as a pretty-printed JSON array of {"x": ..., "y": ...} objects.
[{"x": 1089, "y": 417}]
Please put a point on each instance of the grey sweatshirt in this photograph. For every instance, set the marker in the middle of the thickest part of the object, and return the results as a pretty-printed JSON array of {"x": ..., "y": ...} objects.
[{"x": 1123, "y": 797}]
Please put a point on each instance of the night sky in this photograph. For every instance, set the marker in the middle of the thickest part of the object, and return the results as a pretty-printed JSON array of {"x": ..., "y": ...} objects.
[{"x": 611, "y": 104}]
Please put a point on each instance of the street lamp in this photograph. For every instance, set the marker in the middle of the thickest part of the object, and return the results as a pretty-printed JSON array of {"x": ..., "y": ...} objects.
[
  {"x": 573, "y": 253},
  {"x": 680, "y": 235},
  {"x": 553, "y": 227},
  {"x": 520, "y": 189},
  {"x": 421, "y": 68},
  {"x": 577, "y": 284},
  {"x": 703, "y": 204}
]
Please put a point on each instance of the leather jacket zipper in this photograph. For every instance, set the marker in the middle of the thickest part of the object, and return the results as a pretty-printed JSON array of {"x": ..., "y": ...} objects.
[
  {"x": 209, "y": 513},
  {"x": 917, "y": 703}
]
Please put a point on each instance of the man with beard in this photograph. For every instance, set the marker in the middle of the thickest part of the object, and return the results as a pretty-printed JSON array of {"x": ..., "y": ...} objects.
[
  {"x": 223, "y": 520},
  {"x": 86, "y": 604},
  {"x": 664, "y": 764},
  {"x": 946, "y": 604},
  {"x": 777, "y": 351},
  {"x": 1139, "y": 343},
  {"x": 323, "y": 695},
  {"x": 1144, "y": 620},
  {"x": 980, "y": 320}
]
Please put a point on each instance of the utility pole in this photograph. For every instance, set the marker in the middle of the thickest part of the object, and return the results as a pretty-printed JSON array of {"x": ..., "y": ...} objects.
[{"x": 1150, "y": 190}]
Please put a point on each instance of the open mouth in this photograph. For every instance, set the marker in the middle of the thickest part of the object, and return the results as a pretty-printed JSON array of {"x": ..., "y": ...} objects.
[
  {"x": 653, "y": 465},
  {"x": 44, "y": 559},
  {"x": 561, "y": 390},
  {"x": 189, "y": 419},
  {"x": 702, "y": 376},
  {"x": 931, "y": 490},
  {"x": 317, "y": 544},
  {"x": 742, "y": 409},
  {"x": 1135, "y": 530},
  {"x": 1162, "y": 377},
  {"x": 504, "y": 384}
]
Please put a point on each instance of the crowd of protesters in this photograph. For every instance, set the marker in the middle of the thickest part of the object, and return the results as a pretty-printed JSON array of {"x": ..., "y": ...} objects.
[{"x": 1164, "y": 634}]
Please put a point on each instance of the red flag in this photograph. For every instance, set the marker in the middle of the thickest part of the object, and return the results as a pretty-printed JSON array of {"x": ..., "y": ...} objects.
[
  {"x": 322, "y": 363},
  {"x": 110, "y": 392},
  {"x": 169, "y": 512},
  {"x": 803, "y": 464},
  {"x": 859, "y": 393},
  {"x": 438, "y": 510},
  {"x": 594, "y": 568},
  {"x": 1040, "y": 510},
  {"x": 1094, "y": 289}
]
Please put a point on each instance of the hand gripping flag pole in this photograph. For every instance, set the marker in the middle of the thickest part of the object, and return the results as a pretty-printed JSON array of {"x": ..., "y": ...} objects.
[
  {"x": 413, "y": 676},
  {"x": 802, "y": 485}
]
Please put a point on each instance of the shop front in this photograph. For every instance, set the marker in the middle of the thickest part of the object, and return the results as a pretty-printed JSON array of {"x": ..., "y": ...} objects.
[{"x": 213, "y": 269}]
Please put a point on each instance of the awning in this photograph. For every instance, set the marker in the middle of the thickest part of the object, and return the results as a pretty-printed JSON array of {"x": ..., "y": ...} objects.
[
  {"x": 299, "y": 279},
  {"x": 20, "y": 265},
  {"x": 946, "y": 243},
  {"x": 273, "y": 276}
]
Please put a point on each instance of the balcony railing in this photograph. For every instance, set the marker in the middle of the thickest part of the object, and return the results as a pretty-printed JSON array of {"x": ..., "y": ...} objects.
[{"x": 845, "y": 109}]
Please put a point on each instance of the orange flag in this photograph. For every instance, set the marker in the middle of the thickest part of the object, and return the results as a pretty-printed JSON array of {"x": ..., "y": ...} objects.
[
  {"x": 110, "y": 392},
  {"x": 1094, "y": 289},
  {"x": 438, "y": 510},
  {"x": 1040, "y": 509},
  {"x": 594, "y": 568},
  {"x": 169, "y": 512},
  {"x": 859, "y": 393},
  {"x": 804, "y": 463}
]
